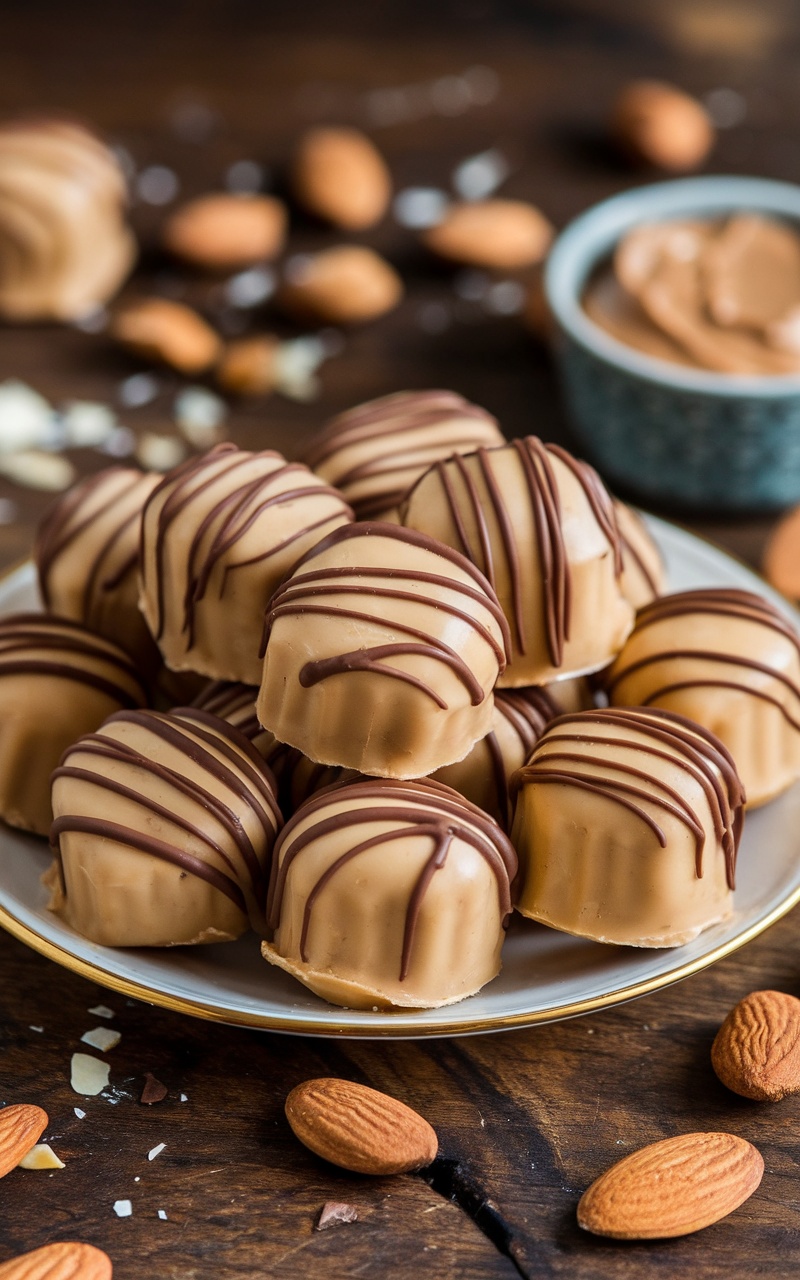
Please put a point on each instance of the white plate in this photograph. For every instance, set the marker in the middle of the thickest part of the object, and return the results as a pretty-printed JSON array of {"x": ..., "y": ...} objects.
[{"x": 546, "y": 975}]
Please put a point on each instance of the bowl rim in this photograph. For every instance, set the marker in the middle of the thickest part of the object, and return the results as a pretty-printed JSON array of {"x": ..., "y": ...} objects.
[{"x": 590, "y": 237}]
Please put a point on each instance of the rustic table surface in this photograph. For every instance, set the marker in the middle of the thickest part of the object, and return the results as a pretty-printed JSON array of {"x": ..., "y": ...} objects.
[{"x": 527, "y": 1119}]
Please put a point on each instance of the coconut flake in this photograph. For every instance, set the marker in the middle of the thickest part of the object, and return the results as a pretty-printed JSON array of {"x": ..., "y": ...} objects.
[
  {"x": 88, "y": 1075},
  {"x": 79, "y": 1113},
  {"x": 162, "y": 1213},
  {"x": 480, "y": 175},
  {"x": 156, "y": 1151},
  {"x": 37, "y": 470},
  {"x": 87, "y": 424},
  {"x": 102, "y": 1011},
  {"x": 420, "y": 207},
  {"x": 26, "y": 418},
  {"x": 160, "y": 453},
  {"x": 102, "y": 1038},
  {"x": 123, "y": 1208},
  {"x": 199, "y": 415}
]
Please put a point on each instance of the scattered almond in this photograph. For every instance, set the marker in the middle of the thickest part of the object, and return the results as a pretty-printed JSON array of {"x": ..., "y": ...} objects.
[
  {"x": 339, "y": 175},
  {"x": 661, "y": 125},
  {"x": 225, "y": 232},
  {"x": 536, "y": 314},
  {"x": 153, "y": 1091},
  {"x": 247, "y": 367},
  {"x": 359, "y": 1128},
  {"x": 160, "y": 329},
  {"x": 42, "y": 1156},
  {"x": 782, "y": 555},
  {"x": 21, "y": 1127},
  {"x": 63, "y": 1261},
  {"x": 756, "y": 1052},
  {"x": 503, "y": 235},
  {"x": 672, "y": 1188},
  {"x": 345, "y": 285},
  {"x": 333, "y": 1213}
]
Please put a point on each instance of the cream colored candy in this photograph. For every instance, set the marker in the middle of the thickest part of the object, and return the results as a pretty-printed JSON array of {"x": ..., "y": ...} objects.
[
  {"x": 375, "y": 451},
  {"x": 390, "y": 894},
  {"x": 57, "y": 681},
  {"x": 541, "y": 526},
  {"x": 644, "y": 574},
  {"x": 163, "y": 830},
  {"x": 236, "y": 703},
  {"x": 627, "y": 823},
  {"x": 64, "y": 246},
  {"x": 381, "y": 652},
  {"x": 87, "y": 558},
  {"x": 219, "y": 534},
  {"x": 729, "y": 660}
]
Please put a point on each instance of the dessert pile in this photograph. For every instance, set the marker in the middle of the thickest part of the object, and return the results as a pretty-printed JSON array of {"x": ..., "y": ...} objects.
[{"x": 371, "y": 739}]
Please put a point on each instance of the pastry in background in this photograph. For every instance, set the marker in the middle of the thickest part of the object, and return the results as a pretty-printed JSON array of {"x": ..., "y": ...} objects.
[
  {"x": 541, "y": 526},
  {"x": 162, "y": 833},
  {"x": 87, "y": 559},
  {"x": 57, "y": 682},
  {"x": 219, "y": 534},
  {"x": 390, "y": 894},
  {"x": 627, "y": 824},
  {"x": 381, "y": 651},
  {"x": 374, "y": 452},
  {"x": 729, "y": 660},
  {"x": 65, "y": 247}
]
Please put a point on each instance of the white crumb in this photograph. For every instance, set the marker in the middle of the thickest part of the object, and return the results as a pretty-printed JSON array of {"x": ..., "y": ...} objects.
[
  {"x": 102, "y": 1038},
  {"x": 123, "y": 1208}
]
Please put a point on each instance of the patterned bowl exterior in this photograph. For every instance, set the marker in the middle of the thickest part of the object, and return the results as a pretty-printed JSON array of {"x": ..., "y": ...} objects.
[{"x": 694, "y": 439}]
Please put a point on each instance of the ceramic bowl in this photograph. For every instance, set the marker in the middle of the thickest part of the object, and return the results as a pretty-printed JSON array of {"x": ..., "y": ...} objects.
[{"x": 669, "y": 434}]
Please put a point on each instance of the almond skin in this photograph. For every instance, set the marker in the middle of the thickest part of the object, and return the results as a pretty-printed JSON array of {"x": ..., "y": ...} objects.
[
  {"x": 345, "y": 285},
  {"x": 339, "y": 175},
  {"x": 21, "y": 1127},
  {"x": 359, "y": 1128},
  {"x": 672, "y": 1188},
  {"x": 159, "y": 329},
  {"x": 658, "y": 124},
  {"x": 222, "y": 232},
  {"x": 63, "y": 1261},
  {"x": 756, "y": 1052},
  {"x": 502, "y": 235}
]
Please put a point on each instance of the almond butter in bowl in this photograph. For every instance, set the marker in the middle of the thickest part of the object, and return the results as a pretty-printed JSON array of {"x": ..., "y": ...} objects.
[
  {"x": 359, "y": 1128},
  {"x": 672, "y": 1188}
]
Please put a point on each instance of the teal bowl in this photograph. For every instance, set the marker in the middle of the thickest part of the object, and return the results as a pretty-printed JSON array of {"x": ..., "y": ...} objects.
[{"x": 671, "y": 435}]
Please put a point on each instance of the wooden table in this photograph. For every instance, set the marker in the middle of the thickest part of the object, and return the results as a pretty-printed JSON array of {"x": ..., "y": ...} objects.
[{"x": 526, "y": 1119}]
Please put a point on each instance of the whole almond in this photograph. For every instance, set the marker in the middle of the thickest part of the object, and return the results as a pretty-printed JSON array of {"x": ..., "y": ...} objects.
[
  {"x": 359, "y": 1128},
  {"x": 661, "y": 125},
  {"x": 21, "y": 1127},
  {"x": 339, "y": 175},
  {"x": 222, "y": 232},
  {"x": 159, "y": 329},
  {"x": 502, "y": 235},
  {"x": 247, "y": 367},
  {"x": 63, "y": 1261},
  {"x": 672, "y": 1188},
  {"x": 756, "y": 1052},
  {"x": 345, "y": 285}
]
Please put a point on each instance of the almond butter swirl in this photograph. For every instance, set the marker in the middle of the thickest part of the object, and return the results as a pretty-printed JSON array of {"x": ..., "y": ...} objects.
[
  {"x": 436, "y": 927},
  {"x": 186, "y": 789}
]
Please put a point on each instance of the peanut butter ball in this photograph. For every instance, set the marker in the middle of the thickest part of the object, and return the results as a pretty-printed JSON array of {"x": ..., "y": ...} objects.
[
  {"x": 729, "y": 660},
  {"x": 644, "y": 574},
  {"x": 218, "y": 536},
  {"x": 381, "y": 651},
  {"x": 163, "y": 829},
  {"x": 87, "y": 558},
  {"x": 627, "y": 824},
  {"x": 391, "y": 894},
  {"x": 541, "y": 526},
  {"x": 374, "y": 452},
  {"x": 57, "y": 681}
]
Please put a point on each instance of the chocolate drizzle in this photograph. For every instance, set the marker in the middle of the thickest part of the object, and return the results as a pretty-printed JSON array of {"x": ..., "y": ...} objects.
[
  {"x": 403, "y": 435},
  {"x": 409, "y": 810},
  {"x": 222, "y": 522},
  {"x": 305, "y": 591},
  {"x": 528, "y": 711},
  {"x": 574, "y": 747},
  {"x": 34, "y": 644},
  {"x": 725, "y": 603},
  {"x": 236, "y": 782},
  {"x": 479, "y": 495}
]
